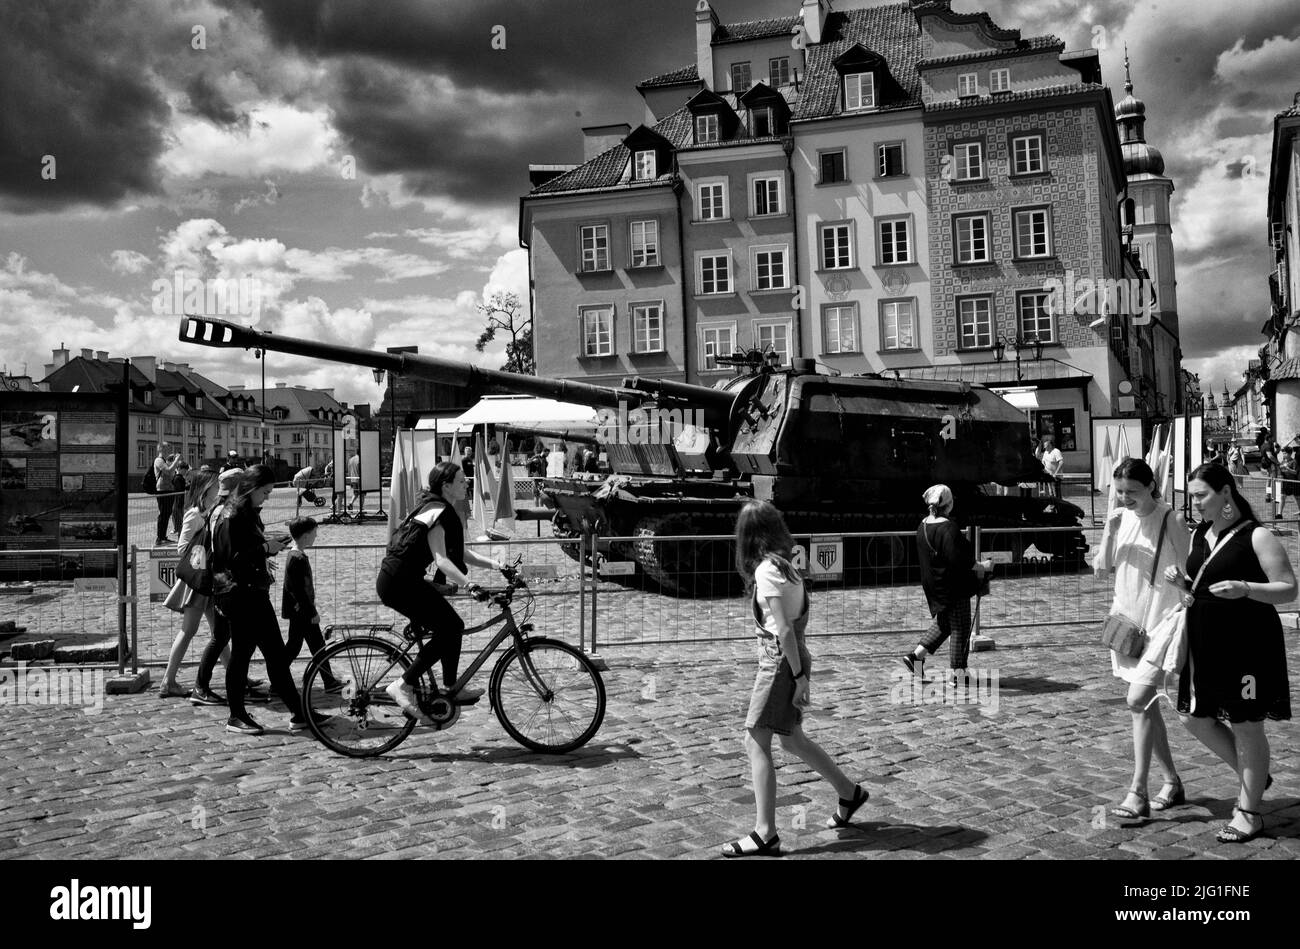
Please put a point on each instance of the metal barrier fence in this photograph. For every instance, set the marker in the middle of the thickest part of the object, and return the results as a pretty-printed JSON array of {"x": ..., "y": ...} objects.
[{"x": 863, "y": 583}]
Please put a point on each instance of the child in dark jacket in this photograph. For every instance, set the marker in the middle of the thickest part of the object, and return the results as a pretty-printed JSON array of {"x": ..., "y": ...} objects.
[{"x": 298, "y": 604}]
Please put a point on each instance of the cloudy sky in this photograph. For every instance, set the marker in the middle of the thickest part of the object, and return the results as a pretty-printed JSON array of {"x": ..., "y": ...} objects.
[{"x": 364, "y": 158}]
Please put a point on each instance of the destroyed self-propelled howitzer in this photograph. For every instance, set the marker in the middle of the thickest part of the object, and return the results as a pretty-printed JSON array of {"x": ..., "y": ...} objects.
[{"x": 837, "y": 455}]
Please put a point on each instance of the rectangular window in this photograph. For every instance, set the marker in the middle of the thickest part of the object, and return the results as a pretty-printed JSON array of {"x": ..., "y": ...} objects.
[
  {"x": 1035, "y": 316},
  {"x": 770, "y": 269},
  {"x": 968, "y": 84},
  {"x": 895, "y": 242},
  {"x": 714, "y": 274},
  {"x": 859, "y": 91},
  {"x": 778, "y": 71},
  {"x": 1027, "y": 155},
  {"x": 840, "y": 328},
  {"x": 898, "y": 325},
  {"x": 740, "y": 77},
  {"x": 648, "y": 327},
  {"x": 760, "y": 123},
  {"x": 773, "y": 338},
  {"x": 968, "y": 161},
  {"x": 645, "y": 165},
  {"x": 889, "y": 160},
  {"x": 1000, "y": 80},
  {"x": 598, "y": 331},
  {"x": 645, "y": 243},
  {"x": 834, "y": 169},
  {"x": 719, "y": 340},
  {"x": 712, "y": 202},
  {"x": 975, "y": 322},
  {"x": 836, "y": 241},
  {"x": 766, "y": 193},
  {"x": 297, "y": 459},
  {"x": 1059, "y": 423},
  {"x": 595, "y": 248},
  {"x": 1033, "y": 233},
  {"x": 706, "y": 129},
  {"x": 972, "y": 236}
]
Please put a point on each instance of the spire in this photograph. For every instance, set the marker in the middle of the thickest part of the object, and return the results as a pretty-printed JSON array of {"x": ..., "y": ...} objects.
[{"x": 1130, "y": 115}]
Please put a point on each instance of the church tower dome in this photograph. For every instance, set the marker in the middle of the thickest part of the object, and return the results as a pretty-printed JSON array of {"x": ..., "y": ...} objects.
[{"x": 1139, "y": 157}]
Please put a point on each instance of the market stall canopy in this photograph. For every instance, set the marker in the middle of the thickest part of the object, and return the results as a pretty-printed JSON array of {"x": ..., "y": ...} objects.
[{"x": 518, "y": 411}]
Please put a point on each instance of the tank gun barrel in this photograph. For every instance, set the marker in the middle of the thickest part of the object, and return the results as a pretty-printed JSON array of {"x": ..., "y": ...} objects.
[
  {"x": 206, "y": 331},
  {"x": 718, "y": 400},
  {"x": 579, "y": 438}
]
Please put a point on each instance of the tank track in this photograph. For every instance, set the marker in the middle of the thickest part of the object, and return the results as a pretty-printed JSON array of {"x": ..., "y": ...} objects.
[{"x": 707, "y": 568}]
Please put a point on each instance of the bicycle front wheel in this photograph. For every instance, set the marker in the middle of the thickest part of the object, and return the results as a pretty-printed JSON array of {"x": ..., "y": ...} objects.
[
  {"x": 362, "y": 719},
  {"x": 548, "y": 697}
]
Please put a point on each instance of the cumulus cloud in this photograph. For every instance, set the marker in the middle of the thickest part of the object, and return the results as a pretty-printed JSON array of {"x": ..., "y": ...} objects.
[
  {"x": 128, "y": 261},
  {"x": 277, "y": 138}
]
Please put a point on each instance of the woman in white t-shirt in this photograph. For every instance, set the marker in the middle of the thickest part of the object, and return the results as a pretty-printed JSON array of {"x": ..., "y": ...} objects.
[
  {"x": 1143, "y": 529},
  {"x": 764, "y": 549}
]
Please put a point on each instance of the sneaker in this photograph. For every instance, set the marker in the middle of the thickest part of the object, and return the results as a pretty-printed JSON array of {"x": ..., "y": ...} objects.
[
  {"x": 243, "y": 726},
  {"x": 300, "y": 724},
  {"x": 466, "y": 696},
  {"x": 256, "y": 697},
  {"x": 206, "y": 697},
  {"x": 404, "y": 696}
]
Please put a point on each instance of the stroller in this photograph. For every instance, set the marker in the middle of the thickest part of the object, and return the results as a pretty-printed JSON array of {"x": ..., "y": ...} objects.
[{"x": 312, "y": 497}]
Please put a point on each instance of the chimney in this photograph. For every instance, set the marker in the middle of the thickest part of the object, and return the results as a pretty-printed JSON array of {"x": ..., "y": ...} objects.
[
  {"x": 281, "y": 385},
  {"x": 598, "y": 139},
  {"x": 60, "y": 359},
  {"x": 147, "y": 365},
  {"x": 88, "y": 354},
  {"x": 706, "y": 23},
  {"x": 169, "y": 367},
  {"x": 814, "y": 20},
  {"x": 101, "y": 355}
]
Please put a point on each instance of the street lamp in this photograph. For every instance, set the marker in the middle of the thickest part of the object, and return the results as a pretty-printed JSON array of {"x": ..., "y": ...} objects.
[{"x": 1019, "y": 343}]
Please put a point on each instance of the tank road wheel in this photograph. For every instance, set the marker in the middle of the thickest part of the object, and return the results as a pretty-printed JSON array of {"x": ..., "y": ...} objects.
[{"x": 681, "y": 567}]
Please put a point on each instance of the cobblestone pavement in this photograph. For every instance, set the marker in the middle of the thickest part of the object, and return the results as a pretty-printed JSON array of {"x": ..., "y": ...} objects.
[{"x": 1027, "y": 776}]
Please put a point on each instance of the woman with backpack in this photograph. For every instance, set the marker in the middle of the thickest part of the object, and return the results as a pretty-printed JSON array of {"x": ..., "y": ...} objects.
[
  {"x": 949, "y": 575},
  {"x": 779, "y": 601},
  {"x": 192, "y": 605}
]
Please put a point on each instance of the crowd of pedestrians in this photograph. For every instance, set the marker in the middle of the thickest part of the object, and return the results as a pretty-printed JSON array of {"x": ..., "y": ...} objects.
[{"x": 1204, "y": 601}]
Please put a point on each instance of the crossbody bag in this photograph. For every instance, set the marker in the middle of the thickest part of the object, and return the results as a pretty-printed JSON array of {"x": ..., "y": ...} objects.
[{"x": 1119, "y": 632}]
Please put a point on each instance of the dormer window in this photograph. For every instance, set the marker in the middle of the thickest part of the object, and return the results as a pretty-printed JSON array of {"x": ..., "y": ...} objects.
[
  {"x": 706, "y": 129},
  {"x": 760, "y": 123},
  {"x": 643, "y": 165},
  {"x": 859, "y": 91},
  {"x": 1000, "y": 80},
  {"x": 968, "y": 84}
]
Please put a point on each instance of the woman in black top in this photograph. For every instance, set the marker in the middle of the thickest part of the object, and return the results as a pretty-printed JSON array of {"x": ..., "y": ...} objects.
[
  {"x": 431, "y": 535},
  {"x": 242, "y": 590},
  {"x": 1236, "y": 674},
  {"x": 948, "y": 576}
]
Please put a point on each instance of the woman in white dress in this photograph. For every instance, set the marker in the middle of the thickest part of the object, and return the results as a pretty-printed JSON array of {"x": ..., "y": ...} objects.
[{"x": 1136, "y": 530}]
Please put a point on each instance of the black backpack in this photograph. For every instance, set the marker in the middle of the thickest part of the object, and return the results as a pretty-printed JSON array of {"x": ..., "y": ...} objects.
[
  {"x": 150, "y": 483},
  {"x": 195, "y": 566}
]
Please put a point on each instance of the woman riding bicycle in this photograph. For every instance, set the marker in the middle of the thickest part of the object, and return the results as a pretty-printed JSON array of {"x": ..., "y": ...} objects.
[{"x": 431, "y": 535}]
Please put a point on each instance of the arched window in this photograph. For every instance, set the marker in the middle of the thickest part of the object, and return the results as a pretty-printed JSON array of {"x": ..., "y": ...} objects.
[{"x": 1130, "y": 212}]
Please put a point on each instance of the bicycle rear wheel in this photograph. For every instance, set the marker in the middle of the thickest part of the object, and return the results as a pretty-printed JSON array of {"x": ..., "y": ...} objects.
[
  {"x": 363, "y": 721},
  {"x": 558, "y": 710}
]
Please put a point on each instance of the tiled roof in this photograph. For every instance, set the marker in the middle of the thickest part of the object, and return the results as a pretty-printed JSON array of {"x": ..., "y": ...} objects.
[
  {"x": 299, "y": 402},
  {"x": 887, "y": 30},
  {"x": 1035, "y": 44},
  {"x": 678, "y": 77},
  {"x": 1047, "y": 92},
  {"x": 93, "y": 375},
  {"x": 755, "y": 30},
  {"x": 169, "y": 382},
  {"x": 606, "y": 170}
]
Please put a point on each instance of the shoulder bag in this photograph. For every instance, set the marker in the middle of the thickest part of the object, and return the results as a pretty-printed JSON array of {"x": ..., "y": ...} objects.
[
  {"x": 1120, "y": 633},
  {"x": 195, "y": 566}
]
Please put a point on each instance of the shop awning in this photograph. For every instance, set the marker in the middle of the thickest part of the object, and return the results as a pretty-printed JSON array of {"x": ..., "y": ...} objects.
[
  {"x": 525, "y": 412},
  {"x": 1023, "y": 399}
]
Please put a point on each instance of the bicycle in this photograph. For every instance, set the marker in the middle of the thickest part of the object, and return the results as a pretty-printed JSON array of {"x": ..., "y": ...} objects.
[{"x": 546, "y": 694}]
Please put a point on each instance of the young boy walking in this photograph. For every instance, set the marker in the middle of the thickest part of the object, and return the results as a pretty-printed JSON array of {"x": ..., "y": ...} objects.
[{"x": 298, "y": 604}]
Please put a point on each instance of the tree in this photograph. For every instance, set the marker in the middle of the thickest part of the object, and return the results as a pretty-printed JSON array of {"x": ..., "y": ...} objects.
[{"x": 503, "y": 313}]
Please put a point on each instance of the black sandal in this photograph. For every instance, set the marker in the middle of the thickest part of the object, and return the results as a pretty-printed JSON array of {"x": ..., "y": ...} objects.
[
  {"x": 860, "y": 797},
  {"x": 770, "y": 848},
  {"x": 1230, "y": 835}
]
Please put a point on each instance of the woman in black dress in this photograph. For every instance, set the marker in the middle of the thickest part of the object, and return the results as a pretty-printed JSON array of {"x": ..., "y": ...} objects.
[{"x": 1236, "y": 675}]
